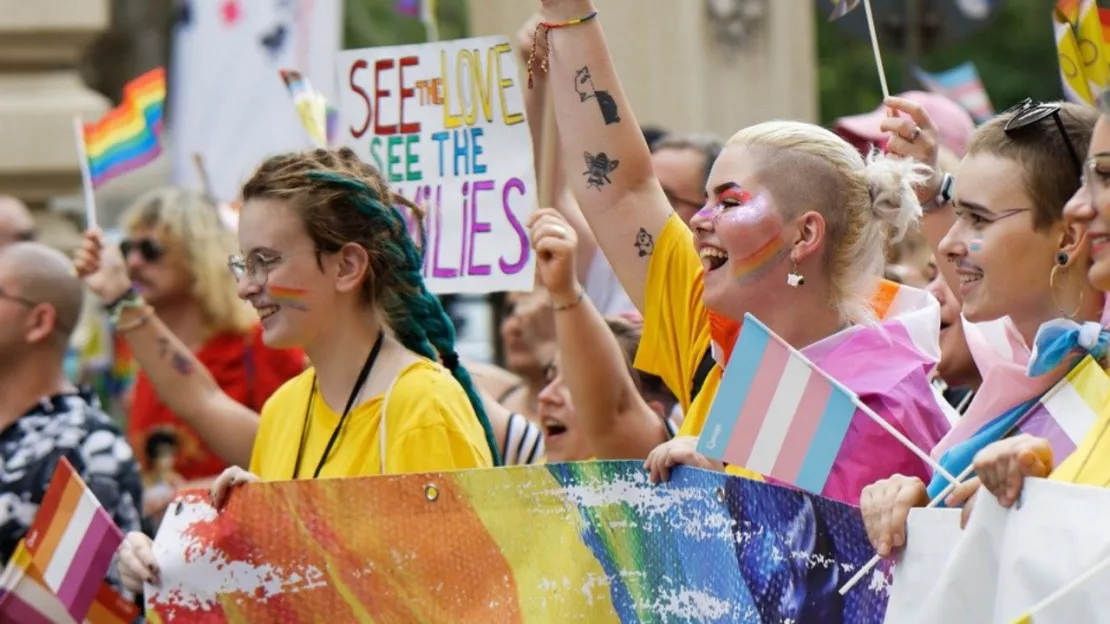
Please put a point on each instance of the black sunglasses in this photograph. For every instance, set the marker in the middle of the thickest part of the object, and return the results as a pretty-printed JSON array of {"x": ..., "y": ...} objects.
[
  {"x": 148, "y": 249},
  {"x": 1026, "y": 114}
]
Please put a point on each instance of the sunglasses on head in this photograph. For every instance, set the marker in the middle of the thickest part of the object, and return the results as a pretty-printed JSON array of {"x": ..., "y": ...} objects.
[
  {"x": 148, "y": 249},
  {"x": 1026, "y": 114}
]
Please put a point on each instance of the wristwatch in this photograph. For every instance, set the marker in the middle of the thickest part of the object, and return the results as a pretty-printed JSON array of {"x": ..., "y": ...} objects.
[{"x": 943, "y": 196}]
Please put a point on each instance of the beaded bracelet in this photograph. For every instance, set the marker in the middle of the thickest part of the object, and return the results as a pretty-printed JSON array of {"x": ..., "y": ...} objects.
[
  {"x": 547, "y": 27},
  {"x": 130, "y": 299},
  {"x": 143, "y": 319},
  {"x": 567, "y": 306}
]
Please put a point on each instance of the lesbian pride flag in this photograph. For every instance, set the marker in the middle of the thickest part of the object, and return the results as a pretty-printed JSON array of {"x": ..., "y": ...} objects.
[
  {"x": 776, "y": 413},
  {"x": 72, "y": 541},
  {"x": 25, "y": 598}
]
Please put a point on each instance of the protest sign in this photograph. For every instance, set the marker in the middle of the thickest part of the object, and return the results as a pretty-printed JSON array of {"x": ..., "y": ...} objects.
[
  {"x": 444, "y": 123},
  {"x": 585, "y": 542}
]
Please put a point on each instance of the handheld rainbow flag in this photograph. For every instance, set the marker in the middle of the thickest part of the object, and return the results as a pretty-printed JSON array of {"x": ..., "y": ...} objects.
[
  {"x": 1082, "y": 24},
  {"x": 310, "y": 104},
  {"x": 72, "y": 541},
  {"x": 130, "y": 135},
  {"x": 962, "y": 85},
  {"x": 779, "y": 415}
]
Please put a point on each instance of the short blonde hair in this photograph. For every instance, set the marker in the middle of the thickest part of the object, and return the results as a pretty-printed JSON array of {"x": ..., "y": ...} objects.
[
  {"x": 865, "y": 203},
  {"x": 191, "y": 220}
]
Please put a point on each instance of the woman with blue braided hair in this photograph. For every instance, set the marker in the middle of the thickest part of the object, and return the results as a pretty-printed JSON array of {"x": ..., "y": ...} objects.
[{"x": 330, "y": 267}]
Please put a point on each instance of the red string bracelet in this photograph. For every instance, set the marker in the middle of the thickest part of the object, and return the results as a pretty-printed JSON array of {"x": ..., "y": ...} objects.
[{"x": 547, "y": 27}]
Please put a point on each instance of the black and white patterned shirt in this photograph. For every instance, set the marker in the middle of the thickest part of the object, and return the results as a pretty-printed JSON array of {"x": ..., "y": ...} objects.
[{"x": 71, "y": 426}]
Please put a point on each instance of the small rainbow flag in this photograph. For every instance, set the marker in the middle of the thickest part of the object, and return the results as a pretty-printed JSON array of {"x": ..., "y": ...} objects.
[
  {"x": 776, "y": 413},
  {"x": 72, "y": 541},
  {"x": 130, "y": 135}
]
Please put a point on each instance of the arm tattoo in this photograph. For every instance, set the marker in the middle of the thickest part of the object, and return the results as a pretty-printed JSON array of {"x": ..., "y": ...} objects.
[
  {"x": 645, "y": 244},
  {"x": 598, "y": 169},
  {"x": 179, "y": 362},
  {"x": 584, "y": 85}
]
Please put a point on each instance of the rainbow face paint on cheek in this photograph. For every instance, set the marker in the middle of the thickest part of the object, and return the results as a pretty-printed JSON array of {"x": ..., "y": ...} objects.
[
  {"x": 757, "y": 230},
  {"x": 292, "y": 297},
  {"x": 975, "y": 246}
]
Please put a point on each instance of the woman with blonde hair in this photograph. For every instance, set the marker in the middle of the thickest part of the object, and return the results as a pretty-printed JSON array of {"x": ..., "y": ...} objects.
[
  {"x": 175, "y": 247},
  {"x": 793, "y": 232}
]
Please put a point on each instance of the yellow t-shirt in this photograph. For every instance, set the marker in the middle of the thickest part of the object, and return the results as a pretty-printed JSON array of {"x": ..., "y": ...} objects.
[
  {"x": 430, "y": 426},
  {"x": 676, "y": 327}
]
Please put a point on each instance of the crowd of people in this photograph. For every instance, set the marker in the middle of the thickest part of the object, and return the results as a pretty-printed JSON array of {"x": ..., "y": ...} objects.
[{"x": 897, "y": 250}]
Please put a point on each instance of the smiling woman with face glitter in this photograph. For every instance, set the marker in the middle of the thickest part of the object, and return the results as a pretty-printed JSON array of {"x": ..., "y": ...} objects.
[{"x": 793, "y": 231}]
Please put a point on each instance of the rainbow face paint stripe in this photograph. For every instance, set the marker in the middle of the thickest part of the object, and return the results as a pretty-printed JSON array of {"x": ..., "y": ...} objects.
[
  {"x": 292, "y": 297},
  {"x": 759, "y": 261}
]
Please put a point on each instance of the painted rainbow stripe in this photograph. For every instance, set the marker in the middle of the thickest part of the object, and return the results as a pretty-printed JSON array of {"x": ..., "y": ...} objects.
[
  {"x": 753, "y": 265},
  {"x": 288, "y": 296},
  {"x": 129, "y": 136},
  {"x": 976, "y": 245}
]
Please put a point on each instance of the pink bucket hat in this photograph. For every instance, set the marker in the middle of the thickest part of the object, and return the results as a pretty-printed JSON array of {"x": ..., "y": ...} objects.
[{"x": 955, "y": 123}]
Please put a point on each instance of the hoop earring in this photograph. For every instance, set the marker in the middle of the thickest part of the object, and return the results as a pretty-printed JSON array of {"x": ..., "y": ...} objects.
[
  {"x": 1055, "y": 301},
  {"x": 794, "y": 278}
]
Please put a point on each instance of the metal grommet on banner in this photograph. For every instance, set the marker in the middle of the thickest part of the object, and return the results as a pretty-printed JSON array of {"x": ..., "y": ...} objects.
[
  {"x": 720, "y": 495},
  {"x": 431, "y": 492}
]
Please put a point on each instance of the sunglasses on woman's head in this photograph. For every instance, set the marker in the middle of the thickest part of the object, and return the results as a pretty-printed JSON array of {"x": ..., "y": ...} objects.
[
  {"x": 149, "y": 250},
  {"x": 1026, "y": 114}
]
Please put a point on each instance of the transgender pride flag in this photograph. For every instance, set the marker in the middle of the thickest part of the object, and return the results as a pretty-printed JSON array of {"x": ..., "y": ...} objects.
[
  {"x": 962, "y": 85},
  {"x": 779, "y": 415}
]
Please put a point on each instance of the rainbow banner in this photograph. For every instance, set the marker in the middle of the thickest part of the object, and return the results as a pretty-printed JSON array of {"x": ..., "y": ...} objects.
[
  {"x": 586, "y": 542},
  {"x": 130, "y": 135}
]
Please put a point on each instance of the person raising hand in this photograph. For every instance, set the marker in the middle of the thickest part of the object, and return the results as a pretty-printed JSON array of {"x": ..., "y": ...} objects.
[{"x": 613, "y": 419}]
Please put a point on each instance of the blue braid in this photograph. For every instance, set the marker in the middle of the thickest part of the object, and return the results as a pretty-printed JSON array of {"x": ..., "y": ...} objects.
[{"x": 415, "y": 314}]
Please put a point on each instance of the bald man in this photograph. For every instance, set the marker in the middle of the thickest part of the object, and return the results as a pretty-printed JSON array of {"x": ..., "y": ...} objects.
[
  {"x": 16, "y": 223},
  {"x": 42, "y": 416}
]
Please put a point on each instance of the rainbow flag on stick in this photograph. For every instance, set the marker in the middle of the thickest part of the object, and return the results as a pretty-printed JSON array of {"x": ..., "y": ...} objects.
[
  {"x": 130, "y": 135},
  {"x": 779, "y": 415},
  {"x": 71, "y": 542}
]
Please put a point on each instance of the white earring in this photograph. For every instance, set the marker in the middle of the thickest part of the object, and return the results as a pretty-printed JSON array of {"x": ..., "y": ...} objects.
[{"x": 794, "y": 278}]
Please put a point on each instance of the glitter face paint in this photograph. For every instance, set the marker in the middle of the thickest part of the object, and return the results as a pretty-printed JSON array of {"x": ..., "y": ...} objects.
[
  {"x": 750, "y": 225},
  {"x": 292, "y": 297}
]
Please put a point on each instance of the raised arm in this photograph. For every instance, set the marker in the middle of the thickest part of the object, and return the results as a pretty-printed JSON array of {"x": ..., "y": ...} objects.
[
  {"x": 607, "y": 160},
  {"x": 939, "y": 214},
  {"x": 617, "y": 421},
  {"x": 180, "y": 380}
]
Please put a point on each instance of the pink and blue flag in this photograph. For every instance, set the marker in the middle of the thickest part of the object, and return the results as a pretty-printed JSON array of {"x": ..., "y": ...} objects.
[
  {"x": 962, "y": 85},
  {"x": 776, "y": 413}
]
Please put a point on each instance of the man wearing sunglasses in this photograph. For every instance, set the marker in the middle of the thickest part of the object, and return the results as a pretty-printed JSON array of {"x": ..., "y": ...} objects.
[{"x": 43, "y": 417}]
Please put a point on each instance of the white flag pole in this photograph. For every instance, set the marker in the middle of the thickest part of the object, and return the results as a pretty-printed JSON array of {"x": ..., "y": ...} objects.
[
  {"x": 875, "y": 48},
  {"x": 86, "y": 176}
]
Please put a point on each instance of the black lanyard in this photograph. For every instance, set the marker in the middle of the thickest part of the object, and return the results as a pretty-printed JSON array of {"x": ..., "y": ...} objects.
[{"x": 363, "y": 374}]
